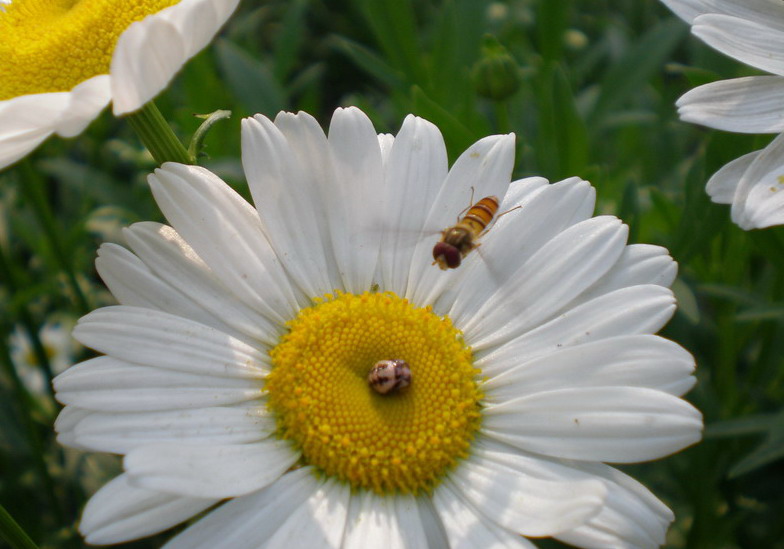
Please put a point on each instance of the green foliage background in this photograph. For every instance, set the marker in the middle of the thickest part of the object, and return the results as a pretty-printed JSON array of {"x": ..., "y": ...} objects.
[{"x": 599, "y": 79}]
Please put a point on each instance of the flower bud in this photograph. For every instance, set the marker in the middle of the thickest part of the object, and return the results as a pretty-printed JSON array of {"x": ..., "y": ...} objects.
[{"x": 496, "y": 75}]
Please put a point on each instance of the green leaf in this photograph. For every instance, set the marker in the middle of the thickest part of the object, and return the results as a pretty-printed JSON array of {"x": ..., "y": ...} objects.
[
  {"x": 749, "y": 425},
  {"x": 636, "y": 67},
  {"x": 764, "y": 312},
  {"x": 288, "y": 42},
  {"x": 394, "y": 27},
  {"x": 551, "y": 22},
  {"x": 13, "y": 533},
  {"x": 369, "y": 62},
  {"x": 562, "y": 140},
  {"x": 455, "y": 48},
  {"x": 458, "y": 137},
  {"x": 768, "y": 452},
  {"x": 250, "y": 81}
]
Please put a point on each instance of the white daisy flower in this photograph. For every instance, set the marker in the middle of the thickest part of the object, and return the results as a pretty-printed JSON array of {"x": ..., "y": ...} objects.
[
  {"x": 61, "y": 65},
  {"x": 237, "y": 365},
  {"x": 751, "y": 31}
]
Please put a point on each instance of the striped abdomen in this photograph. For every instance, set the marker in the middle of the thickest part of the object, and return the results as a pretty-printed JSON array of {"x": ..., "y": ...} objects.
[{"x": 481, "y": 214}]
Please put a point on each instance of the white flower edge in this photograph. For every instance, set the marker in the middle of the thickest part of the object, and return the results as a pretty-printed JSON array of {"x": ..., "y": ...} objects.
[
  {"x": 758, "y": 201},
  {"x": 750, "y": 104},
  {"x": 754, "y": 10},
  {"x": 754, "y": 185},
  {"x": 754, "y": 38},
  {"x": 150, "y": 52},
  {"x": 26, "y": 121},
  {"x": 147, "y": 56}
]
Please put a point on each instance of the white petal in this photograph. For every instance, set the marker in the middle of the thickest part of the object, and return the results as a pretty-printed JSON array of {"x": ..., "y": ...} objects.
[
  {"x": 467, "y": 528},
  {"x": 432, "y": 524},
  {"x": 85, "y": 102},
  {"x": 359, "y": 182},
  {"x": 723, "y": 184},
  {"x": 66, "y": 422},
  {"x": 225, "y": 231},
  {"x": 313, "y": 155},
  {"x": 193, "y": 291},
  {"x": 745, "y": 105},
  {"x": 133, "y": 283},
  {"x": 154, "y": 338},
  {"x": 543, "y": 285},
  {"x": 119, "y": 433},
  {"x": 295, "y": 511},
  {"x": 385, "y": 142},
  {"x": 484, "y": 169},
  {"x": 632, "y": 517},
  {"x": 26, "y": 121},
  {"x": 635, "y": 310},
  {"x": 288, "y": 203},
  {"x": 756, "y": 43},
  {"x": 319, "y": 522},
  {"x": 639, "y": 264},
  {"x": 613, "y": 424},
  {"x": 545, "y": 211},
  {"x": 111, "y": 385},
  {"x": 151, "y": 51},
  {"x": 248, "y": 521},
  {"x": 759, "y": 11},
  {"x": 416, "y": 166},
  {"x": 624, "y": 361},
  {"x": 383, "y": 522},
  {"x": 121, "y": 512},
  {"x": 759, "y": 198},
  {"x": 216, "y": 471},
  {"x": 525, "y": 495}
]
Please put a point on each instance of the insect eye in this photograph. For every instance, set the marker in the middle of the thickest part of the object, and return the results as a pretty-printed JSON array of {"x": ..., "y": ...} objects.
[{"x": 447, "y": 253}]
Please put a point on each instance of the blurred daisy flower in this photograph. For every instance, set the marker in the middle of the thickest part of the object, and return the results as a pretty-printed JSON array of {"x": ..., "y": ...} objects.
[
  {"x": 239, "y": 370},
  {"x": 62, "y": 62},
  {"x": 60, "y": 349},
  {"x": 751, "y": 32}
]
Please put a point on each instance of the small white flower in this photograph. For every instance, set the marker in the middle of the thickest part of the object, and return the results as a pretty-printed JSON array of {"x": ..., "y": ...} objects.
[
  {"x": 58, "y": 345},
  {"x": 236, "y": 367},
  {"x": 59, "y": 68},
  {"x": 751, "y": 32}
]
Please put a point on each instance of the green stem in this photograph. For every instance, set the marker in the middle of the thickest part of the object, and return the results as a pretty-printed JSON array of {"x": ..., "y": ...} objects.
[
  {"x": 157, "y": 136},
  {"x": 33, "y": 191},
  {"x": 13, "y": 533}
]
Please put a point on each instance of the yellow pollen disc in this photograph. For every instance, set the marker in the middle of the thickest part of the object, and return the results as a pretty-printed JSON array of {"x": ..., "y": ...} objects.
[
  {"x": 400, "y": 442},
  {"x": 52, "y": 45}
]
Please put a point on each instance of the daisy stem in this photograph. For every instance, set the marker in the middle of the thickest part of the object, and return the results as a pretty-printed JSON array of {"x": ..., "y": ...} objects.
[
  {"x": 156, "y": 134},
  {"x": 13, "y": 533}
]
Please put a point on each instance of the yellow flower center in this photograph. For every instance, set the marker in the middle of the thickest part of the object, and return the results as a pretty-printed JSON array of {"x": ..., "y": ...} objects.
[
  {"x": 52, "y": 45},
  {"x": 402, "y": 441}
]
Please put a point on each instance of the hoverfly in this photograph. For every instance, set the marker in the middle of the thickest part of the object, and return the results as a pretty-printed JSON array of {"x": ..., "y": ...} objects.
[{"x": 458, "y": 240}]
